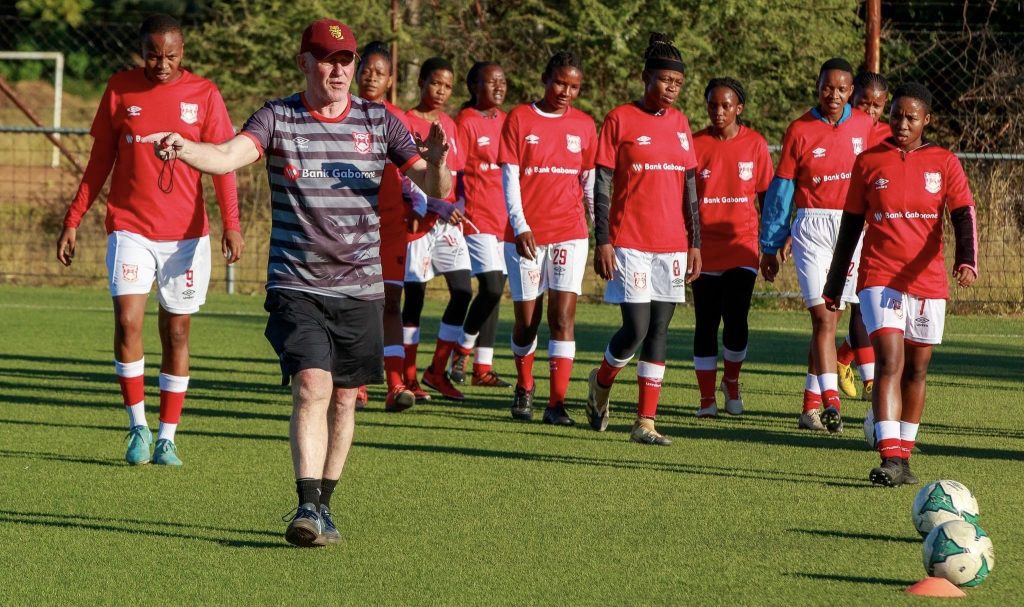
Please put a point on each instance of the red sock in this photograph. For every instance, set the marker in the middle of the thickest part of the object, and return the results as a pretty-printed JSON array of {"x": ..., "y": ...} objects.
[
  {"x": 171, "y": 404},
  {"x": 889, "y": 447},
  {"x": 393, "y": 369},
  {"x": 133, "y": 389},
  {"x": 732, "y": 370},
  {"x": 607, "y": 373},
  {"x": 410, "y": 363},
  {"x": 812, "y": 401},
  {"x": 844, "y": 353},
  {"x": 480, "y": 369},
  {"x": 561, "y": 370},
  {"x": 524, "y": 370},
  {"x": 906, "y": 447},
  {"x": 648, "y": 378},
  {"x": 830, "y": 398},
  {"x": 442, "y": 352},
  {"x": 864, "y": 356},
  {"x": 706, "y": 384}
]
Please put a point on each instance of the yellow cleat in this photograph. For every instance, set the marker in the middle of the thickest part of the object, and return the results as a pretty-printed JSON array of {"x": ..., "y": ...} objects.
[
  {"x": 847, "y": 382},
  {"x": 644, "y": 433},
  {"x": 869, "y": 388}
]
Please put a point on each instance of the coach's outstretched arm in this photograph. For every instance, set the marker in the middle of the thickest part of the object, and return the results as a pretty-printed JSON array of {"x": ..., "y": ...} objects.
[
  {"x": 431, "y": 172},
  {"x": 213, "y": 158}
]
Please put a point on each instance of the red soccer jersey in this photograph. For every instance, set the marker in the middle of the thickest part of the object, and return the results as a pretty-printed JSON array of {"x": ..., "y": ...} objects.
[
  {"x": 391, "y": 203},
  {"x": 730, "y": 174},
  {"x": 133, "y": 107},
  {"x": 819, "y": 156},
  {"x": 479, "y": 138},
  {"x": 902, "y": 197},
  {"x": 422, "y": 128},
  {"x": 650, "y": 155},
  {"x": 879, "y": 133},
  {"x": 551, "y": 153}
]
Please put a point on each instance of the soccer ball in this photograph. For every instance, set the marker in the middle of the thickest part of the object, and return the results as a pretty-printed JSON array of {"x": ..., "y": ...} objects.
[
  {"x": 869, "y": 428},
  {"x": 943, "y": 501},
  {"x": 959, "y": 551}
]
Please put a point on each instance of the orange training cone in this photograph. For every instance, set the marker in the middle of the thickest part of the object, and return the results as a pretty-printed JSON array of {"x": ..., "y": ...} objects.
[{"x": 936, "y": 586}]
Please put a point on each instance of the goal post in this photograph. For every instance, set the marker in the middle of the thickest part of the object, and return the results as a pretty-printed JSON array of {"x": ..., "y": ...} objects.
[{"x": 58, "y": 85}]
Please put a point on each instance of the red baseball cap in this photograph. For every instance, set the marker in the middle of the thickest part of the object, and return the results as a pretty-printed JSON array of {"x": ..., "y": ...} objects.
[{"x": 325, "y": 37}]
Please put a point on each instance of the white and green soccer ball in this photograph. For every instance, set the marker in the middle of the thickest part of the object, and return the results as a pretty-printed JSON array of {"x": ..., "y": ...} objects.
[
  {"x": 943, "y": 501},
  {"x": 959, "y": 551}
]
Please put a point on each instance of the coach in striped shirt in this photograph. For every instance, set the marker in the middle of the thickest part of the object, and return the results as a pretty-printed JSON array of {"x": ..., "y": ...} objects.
[{"x": 325, "y": 152}]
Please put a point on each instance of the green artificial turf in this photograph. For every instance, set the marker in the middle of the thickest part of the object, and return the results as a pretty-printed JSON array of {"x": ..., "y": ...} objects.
[{"x": 455, "y": 504}]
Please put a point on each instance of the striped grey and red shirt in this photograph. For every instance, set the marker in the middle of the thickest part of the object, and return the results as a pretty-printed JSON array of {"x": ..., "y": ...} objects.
[{"x": 324, "y": 178}]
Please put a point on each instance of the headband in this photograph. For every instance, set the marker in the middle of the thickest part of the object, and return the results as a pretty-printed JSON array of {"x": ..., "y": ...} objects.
[{"x": 658, "y": 63}]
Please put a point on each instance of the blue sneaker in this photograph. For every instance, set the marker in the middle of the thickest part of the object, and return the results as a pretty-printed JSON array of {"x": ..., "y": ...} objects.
[
  {"x": 329, "y": 533},
  {"x": 305, "y": 527},
  {"x": 139, "y": 440},
  {"x": 166, "y": 454}
]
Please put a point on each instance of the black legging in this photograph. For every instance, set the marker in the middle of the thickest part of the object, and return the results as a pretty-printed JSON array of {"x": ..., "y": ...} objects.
[
  {"x": 646, "y": 325},
  {"x": 482, "y": 317},
  {"x": 722, "y": 298},
  {"x": 460, "y": 292}
]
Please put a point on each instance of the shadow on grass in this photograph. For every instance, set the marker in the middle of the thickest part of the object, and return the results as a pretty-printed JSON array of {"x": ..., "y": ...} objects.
[
  {"x": 143, "y": 527},
  {"x": 58, "y": 457},
  {"x": 853, "y": 579},
  {"x": 858, "y": 536}
]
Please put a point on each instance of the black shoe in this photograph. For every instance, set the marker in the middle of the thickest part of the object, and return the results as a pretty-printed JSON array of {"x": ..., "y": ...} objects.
[
  {"x": 329, "y": 533},
  {"x": 908, "y": 476},
  {"x": 889, "y": 474},
  {"x": 490, "y": 380},
  {"x": 305, "y": 527},
  {"x": 831, "y": 419},
  {"x": 558, "y": 416},
  {"x": 458, "y": 370},
  {"x": 522, "y": 404}
]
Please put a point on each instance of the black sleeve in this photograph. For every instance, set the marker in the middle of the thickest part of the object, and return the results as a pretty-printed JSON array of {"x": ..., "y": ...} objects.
[
  {"x": 602, "y": 204},
  {"x": 849, "y": 233},
  {"x": 964, "y": 230},
  {"x": 691, "y": 209}
]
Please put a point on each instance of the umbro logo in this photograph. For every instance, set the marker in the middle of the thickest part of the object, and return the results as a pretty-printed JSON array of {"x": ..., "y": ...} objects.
[
  {"x": 643, "y": 140},
  {"x": 483, "y": 140},
  {"x": 818, "y": 152},
  {"x": 532, "y": 139},
  {"x": 301, "y": 142},
  {"x": 881, "y": 183},
  {"x": 134, "y": 111},
  {"x": 705, "y": 174}
]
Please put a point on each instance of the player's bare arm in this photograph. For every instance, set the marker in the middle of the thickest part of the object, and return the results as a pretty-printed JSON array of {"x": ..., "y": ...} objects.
[
  {"x": 431, "y": 171},
  {"x": 604, "y": 261},
  {"x": 231, "y": 245},
  {"x": 66, "y": 246},
  {"x": 693, "y": 265},
  {"x": 769, "y": 266},
  {"x": 212, "y": 158}
]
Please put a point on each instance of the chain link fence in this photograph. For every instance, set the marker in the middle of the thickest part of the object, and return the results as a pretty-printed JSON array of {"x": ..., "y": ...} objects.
[{"x": 976, "y": 76}]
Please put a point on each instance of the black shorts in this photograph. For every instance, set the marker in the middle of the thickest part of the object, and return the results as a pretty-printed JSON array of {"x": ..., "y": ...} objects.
[{"x": 338, "y": 334}]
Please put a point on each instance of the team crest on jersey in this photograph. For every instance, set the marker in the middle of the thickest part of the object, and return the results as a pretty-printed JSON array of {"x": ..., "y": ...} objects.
[
  {"x": 189, "y": 112},
  {"x": 858, "y": 144},
  {"x": 640, "y": 280},
  {"x": 643, "y": 140},
  {"x": 684, "y": 141},
  {"x": 130, "y": 272},
  {"x": 533, "y": 276},
  {"x": 818, "y": 152},
  {"x": 134, "y": 111},
  {"x": 574, "y": 143},
  {"x": 881, "y": 183},
  {"x": 483, "y": 140},
  {"x": 532, "y": 139},
  {"x": 932, "y": 182},
  {"x": 362, "y": 142},
  {"x": 746, "y": 170}
]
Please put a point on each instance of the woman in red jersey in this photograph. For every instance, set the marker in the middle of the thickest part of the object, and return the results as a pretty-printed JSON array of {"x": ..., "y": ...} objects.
[
  {"x": 479, "y": 133},
  {"x": 376, "y": 77},
  {"x": 818, "y": 152},
  {"x": 647, "y": 231},
  {"x": 734, "y": 169},
  {"x": 547, "y": 161},
  {"x": 870, "y": 94},
  {"x": 901, "y": 189},
  {"x": 436, "y": 247},
  {"x": 156, "y": 222}
]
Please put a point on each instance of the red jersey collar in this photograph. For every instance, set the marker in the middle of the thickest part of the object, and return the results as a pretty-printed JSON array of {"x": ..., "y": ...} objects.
[{"x": 321, "y": 117}]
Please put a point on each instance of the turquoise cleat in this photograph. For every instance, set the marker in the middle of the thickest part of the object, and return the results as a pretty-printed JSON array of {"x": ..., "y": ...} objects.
[
  {"x": 166, "y": 454},
  {"x": 139, "y": 440}
]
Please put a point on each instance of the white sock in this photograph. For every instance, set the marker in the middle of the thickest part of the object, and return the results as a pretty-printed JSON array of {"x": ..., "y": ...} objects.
[
  {"x": 908, "y": 431},
  {"x": 137, "y": 411},
  {"x": 867, "y": 372},
  {"x": 137, "y": 415},
  {"x": 828, "y": 381},
  {"x": 394, "y": 351},
  {"x": 468, "y": 341},
  {"x": 526, "y": 350},
  {"x": 811, "y": 384},
  {"x": 483, "y": 356},
  {"x": 705, "y": 363},
  {"x": 561, "y": 349},
  {"x": 887, "y": 429},
  {"x": 618, "y": 363},
  {"x": 167, "y": 431}
]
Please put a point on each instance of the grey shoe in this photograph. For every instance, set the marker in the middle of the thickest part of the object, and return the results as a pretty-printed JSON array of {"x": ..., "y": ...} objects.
[
  {"x": 643, "y": 432},
  {"x": 305, "y": 527},
  {"x": 597, "y": 403},
  {"x": 329, "y": 533},
  {"x": 811, "y": 420}
]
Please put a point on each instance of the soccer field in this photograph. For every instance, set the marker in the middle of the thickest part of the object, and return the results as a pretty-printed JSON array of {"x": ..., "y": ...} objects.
[{"x": 455, "y": 504}]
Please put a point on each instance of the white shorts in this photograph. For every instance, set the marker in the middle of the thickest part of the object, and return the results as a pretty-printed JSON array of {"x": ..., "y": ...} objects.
[
  {"x": 181, "y": 269},
  {"x": 850, "y": 288},
  {"x": 486, "y": 253},
  {"x": 439, "y": 251},
  {"x": 814, "y": 240},
  {"x": 642, "y": 277},
  {"x": 559, "y": 266},
  {"x": 920, "y": 320}
]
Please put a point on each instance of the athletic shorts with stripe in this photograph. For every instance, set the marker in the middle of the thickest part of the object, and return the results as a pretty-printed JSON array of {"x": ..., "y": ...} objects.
[
  {"x": 559, "y": 266},
  {"x": 921, "y": 320},
  {"x": 181, "y": 269},
  {"x": 486, "y": 253},
  {"x": 439, "y": 251},
  {"x": 814, "y": 239},
  {"x": 642, "y": 277}
]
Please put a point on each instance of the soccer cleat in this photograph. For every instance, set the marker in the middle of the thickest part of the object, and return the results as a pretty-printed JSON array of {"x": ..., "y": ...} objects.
[
  {"x": 458, "y": 367},
  {"x": 889, "y": 474},
  {"x": 643, "y": 432},
  {"x": 522, "y": 404},
  {"x": 710, "y": 411},
  {"x": 399, "y": 399},
  {"x": 832, "y": 420},
  {"x": 417, "y": 391},
  {"x": 490, "y": 380},
  {"x": 166, "y": 453},
  {"x": 847, "y": 382},
  {"x": 305, "y": 527},
  {"x": 328, "y": 532},
  {"x": 362, "y": 397},
  {"x": 811, "y": 420},
  {"x": 442, "y": 383},
  {"x": 869, "y": 389},
  {"x": 733, "y": 406},
  {"x": 597, "y": 403},
  {"x": 908, "y": 477},
  {"x": 139, "y": 439},
  {"x": 558, "y": 416}
]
